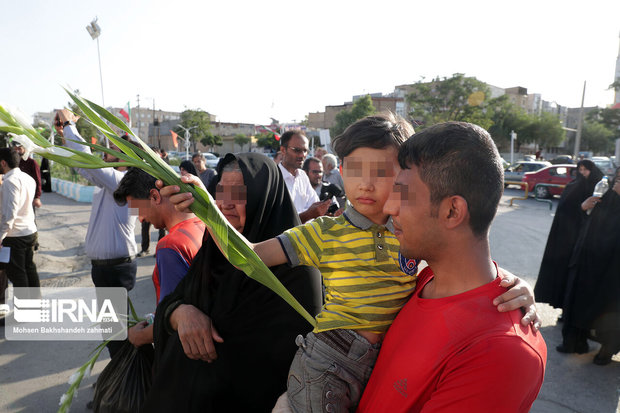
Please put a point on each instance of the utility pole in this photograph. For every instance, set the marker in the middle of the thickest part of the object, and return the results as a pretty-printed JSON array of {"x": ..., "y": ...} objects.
[
  {"x": 579, "y": 124},
  {"x": 187, "y": 136},
  {"x": 138, "y": 96}
]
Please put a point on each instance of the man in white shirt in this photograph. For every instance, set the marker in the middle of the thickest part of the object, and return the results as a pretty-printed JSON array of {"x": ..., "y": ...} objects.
[
  {"x": 17, "y": 227},
  {"x": 294, "y": 148}
]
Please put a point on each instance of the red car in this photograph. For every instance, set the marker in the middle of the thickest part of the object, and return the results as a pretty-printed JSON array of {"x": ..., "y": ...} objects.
[{"x": 555, "y": 174}]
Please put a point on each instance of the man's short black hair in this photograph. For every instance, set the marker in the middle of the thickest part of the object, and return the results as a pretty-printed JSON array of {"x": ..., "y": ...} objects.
[
  {"x": 136, "y": 183},
  {"x": 376, "y": 131},
  {"x": 10, "y": 156},
  {"x": 306, "y": 165},
  {"x": 458, "y": 158},
  {"x": 286, "y": 136},
  {"x": 198, "y": 154}
]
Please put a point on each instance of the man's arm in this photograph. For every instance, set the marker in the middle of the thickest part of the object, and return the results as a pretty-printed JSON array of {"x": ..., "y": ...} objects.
[
  {"x": 106, "y": 178},
  {"x": 501, "y": 374}
]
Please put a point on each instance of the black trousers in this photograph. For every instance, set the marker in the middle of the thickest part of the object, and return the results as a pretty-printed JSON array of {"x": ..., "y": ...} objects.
[
  {"x": 21, "y": 269},
  {"x": 118, "y": 275},
  {"x": 146, "y": 235}
]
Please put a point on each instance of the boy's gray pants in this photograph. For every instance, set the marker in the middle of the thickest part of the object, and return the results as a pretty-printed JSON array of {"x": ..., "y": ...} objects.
[{"x": 329, "y": 371}]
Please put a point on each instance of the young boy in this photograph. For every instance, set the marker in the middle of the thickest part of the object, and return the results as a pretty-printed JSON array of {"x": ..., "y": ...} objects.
[{"x": 357, "y": 254}]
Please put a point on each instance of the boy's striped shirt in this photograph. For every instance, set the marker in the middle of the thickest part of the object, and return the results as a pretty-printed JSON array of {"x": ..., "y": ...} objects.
[{"x": 358, "y": 260}]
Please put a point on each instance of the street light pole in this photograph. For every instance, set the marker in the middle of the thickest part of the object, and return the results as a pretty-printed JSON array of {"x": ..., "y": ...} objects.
[
  {"x": 94, "y": 30},
  {"x": 513, "y": 138},
  {"x": 579, "y": 124},
  {"x": 187, "y": 136}
]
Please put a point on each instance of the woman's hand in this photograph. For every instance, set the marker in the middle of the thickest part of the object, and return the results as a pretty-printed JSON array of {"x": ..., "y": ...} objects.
[
  {"x": 590, "y": 202},
  {"x": 196, "y": 332},
  {"x": 181, "y": 201},
  {"x": 520, "y": 295},
  {"x": 140, "y": 334}
]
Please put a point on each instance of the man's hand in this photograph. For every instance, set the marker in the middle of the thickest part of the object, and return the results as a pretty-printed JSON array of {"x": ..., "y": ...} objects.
[
  {"x": 196, "y": 332},
  {"x": 140, "y": 334},
  {"x": 316, "y": 210},
  {"x": 590, "y": 202},
  {"x": 37, "y": 203},
  {"x": 62, "y": 116},
  {"x": 520, "y": 295},
  {"x": 181, "y": 201}
]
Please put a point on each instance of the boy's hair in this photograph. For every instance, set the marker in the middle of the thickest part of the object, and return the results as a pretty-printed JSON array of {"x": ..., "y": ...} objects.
[
  {"x": 458, "y": 158},
  {"x": 286, "y": 136},
  {"x": 198, "y": 154},
  {"x": 136, "y": 183},
  {"x": 10, "y": 156},
  {"x": 306, "y": 165},
  {"x": 376, "y": 131}
]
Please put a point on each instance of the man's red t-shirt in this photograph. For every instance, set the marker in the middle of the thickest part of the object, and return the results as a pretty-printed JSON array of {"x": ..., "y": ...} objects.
[
  {"x": 456, "y": 354},
  {"x": 175, "y": 253}
]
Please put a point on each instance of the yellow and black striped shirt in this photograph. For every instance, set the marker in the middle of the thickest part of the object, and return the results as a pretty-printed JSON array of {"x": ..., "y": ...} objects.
[{"x": 365, "y": 288}]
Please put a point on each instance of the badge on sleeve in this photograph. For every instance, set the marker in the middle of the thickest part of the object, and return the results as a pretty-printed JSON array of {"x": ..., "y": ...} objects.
[{"x": 408, "y": 266}]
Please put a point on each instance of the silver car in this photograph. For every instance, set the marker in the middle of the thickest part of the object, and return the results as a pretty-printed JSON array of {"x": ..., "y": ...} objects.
[
  {"x": 514, "y": 173},
  {"x": 604, "y": 164}
]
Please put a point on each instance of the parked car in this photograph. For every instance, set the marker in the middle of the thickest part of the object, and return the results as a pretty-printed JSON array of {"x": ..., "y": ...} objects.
[
  {"x": 555, "y": 174},
  {"x": 605, "y": 165},
  {"x": 516, "y": 171},
  {"x": 212, "y": 160},
  {"x": 562, "y": 159}
]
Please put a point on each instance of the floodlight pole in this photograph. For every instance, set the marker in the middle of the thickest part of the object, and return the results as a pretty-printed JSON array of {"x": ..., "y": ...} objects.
[{"x": 187, "y": 136}]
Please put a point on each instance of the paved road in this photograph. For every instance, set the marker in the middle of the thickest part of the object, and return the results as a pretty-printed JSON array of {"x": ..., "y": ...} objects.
[{"x": 33, "y": 375}]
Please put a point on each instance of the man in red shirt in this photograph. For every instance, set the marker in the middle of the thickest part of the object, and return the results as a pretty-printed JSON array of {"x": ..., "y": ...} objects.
[
  {"x": 449, "y": 349},
  {"x": 174, "y": 252}
]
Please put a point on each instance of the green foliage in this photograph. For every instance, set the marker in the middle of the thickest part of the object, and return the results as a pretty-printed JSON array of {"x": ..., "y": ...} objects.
[
  {"x": 361, "y": 108},
  {"x": 268, "y": 141},
  {"x": 241, "y": 139},
  {"x": 610, "y": 118},
  {"x": 66, "y": 173},
  {"x": 200, "y": 121},
  {"x": 85, "y": 128},
  {"x": 597, "y": 137},
  {"x": 458, "y": 98},
  {"x": 507, "y": 117},
  {"x": 544, "y": 130}
]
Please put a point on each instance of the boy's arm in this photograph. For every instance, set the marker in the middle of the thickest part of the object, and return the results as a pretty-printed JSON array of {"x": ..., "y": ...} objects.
[{"x": 270, "y": 251}]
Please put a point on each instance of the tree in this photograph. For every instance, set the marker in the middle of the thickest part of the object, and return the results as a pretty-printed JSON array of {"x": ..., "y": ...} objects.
[
  {"x": 597, "y": 138},
  {"x": 457, "y": 98},
  {"x": 507, "y": 117},
  {"x": 268, "y": 141},
  {"x": 544, "y": 130},
  {"x": 241, "y": 139},
  {"x": 201, "y": 122},
  {"x": 361, "y": 108},
  {"x": 610, "y": 118}
]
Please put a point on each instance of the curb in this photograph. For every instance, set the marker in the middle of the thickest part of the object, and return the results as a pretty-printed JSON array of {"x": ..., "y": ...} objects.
[{"x": 72, "y": 190}]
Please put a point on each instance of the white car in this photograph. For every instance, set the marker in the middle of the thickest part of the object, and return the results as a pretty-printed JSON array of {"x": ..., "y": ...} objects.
[
  {"x": 212, "y": 160},
  {"x": 604, "y": 164}
]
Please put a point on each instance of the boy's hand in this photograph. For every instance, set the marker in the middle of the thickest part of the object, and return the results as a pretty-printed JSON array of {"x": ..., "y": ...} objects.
[
  {"x": 520, "y": 295},
  {"x": 196, "y": 333},
  {"x": 181, "y": 201}
]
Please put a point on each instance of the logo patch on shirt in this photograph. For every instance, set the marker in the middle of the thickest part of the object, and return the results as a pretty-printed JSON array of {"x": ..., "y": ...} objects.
[
  {"x": 408, "y": 266},
  {"x": 401, "y": 387}
]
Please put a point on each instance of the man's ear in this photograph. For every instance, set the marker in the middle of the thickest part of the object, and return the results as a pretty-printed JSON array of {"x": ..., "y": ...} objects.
[
  {"x": 454, "y": 211},
  {"x": 155, "y": 196}
]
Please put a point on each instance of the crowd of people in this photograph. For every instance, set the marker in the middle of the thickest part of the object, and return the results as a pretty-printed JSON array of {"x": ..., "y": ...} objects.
[{"x": 385, "y": 242}]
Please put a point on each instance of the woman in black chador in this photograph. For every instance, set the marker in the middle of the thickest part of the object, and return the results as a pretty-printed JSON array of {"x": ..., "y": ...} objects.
[
  {"x": 551, "y": 284},
  {"x": 258, "y": 328},
  {"x": 592, "y": 306}
]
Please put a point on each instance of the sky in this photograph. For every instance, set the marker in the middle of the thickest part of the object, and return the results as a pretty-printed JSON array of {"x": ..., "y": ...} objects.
[{"x": 247, "y": 61}]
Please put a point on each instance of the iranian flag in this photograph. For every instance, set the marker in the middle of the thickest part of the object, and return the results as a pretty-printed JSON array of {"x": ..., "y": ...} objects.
[
  {"x": 126, "y": 113},
  {"x": 265, "y": 129}
]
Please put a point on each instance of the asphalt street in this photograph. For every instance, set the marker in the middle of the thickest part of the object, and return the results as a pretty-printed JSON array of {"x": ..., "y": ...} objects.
[{"x": 33, "y": 375}]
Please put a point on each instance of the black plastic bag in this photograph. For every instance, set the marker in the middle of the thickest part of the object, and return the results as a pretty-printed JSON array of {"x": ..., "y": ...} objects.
[{"x": 123, "y": 385}]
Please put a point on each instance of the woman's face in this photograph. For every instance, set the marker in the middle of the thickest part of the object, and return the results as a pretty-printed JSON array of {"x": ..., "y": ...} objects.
[
  {"x": 584, "y": 171},
  {"x": 231, "y": 198},
  {"x": 183, "y": 171}
]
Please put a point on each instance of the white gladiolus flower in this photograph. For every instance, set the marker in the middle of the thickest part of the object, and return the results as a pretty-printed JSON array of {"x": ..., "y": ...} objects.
[
  {"x": 27, "y": 143},
  {"x": 53, "y": 150},
  {"x": 87, "y": 371},
  {"x": 74, "y": 377},
  {"x": 24, "y": 120},
  {"x": 63, "y": 399}
]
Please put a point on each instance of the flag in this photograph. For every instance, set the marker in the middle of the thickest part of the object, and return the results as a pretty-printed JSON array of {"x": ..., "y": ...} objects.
[
  {"x": 93, "y": 140},
  {"x": 174, "y": 139},
  {"x": 126, "y": 113},
  {"x": 265, "y": 129}
]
